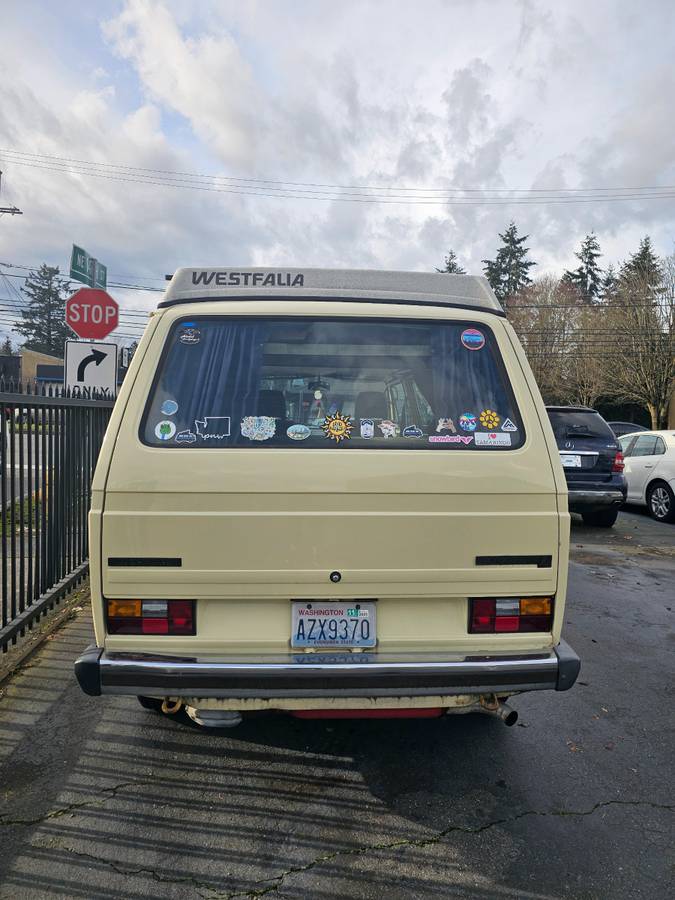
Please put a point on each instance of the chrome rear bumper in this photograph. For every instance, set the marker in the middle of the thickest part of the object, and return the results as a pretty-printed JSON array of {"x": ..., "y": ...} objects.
[{"x": 325, "y": 675}]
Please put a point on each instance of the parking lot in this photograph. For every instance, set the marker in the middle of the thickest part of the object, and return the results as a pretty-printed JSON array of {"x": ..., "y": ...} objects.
[{"x": 102, "y": 799}]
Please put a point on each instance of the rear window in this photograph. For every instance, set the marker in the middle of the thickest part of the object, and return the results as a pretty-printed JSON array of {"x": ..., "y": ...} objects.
[
  {"x": 568, "y": 424},
  {"x": 331, "y": 383}
]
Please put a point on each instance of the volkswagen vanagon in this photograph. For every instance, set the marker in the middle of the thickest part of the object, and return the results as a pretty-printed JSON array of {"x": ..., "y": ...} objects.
[{"x": 329, "y": 493}]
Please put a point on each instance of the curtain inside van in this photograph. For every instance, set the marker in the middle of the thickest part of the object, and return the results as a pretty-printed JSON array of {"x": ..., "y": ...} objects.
[{"x": 326, "y": 383}]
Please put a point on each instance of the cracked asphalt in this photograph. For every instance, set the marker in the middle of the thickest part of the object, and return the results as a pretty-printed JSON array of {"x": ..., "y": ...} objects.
[{"x": 101, "y": 799}]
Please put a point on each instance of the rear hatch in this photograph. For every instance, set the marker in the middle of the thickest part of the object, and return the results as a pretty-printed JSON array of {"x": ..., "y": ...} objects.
[
  {"x": 586, "y": 444},
  {"x": 258, "y": 455}
]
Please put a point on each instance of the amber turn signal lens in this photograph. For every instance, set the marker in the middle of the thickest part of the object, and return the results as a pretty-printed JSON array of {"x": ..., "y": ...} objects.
[
  {"x": 124, "y": 608},
  {"x": 535, "y": 606}
]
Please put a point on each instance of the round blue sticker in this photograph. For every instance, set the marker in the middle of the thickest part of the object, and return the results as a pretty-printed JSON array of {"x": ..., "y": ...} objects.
[
  {"x": 169, "y": 407},
  {"x": 473, "y": 339}
]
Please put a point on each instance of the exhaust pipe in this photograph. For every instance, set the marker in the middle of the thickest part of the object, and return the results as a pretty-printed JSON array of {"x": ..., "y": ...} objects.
[
  {"x": 506, "y": 713},
  {"x": 493, "y": 707},
  {"x": 490, "y": 706},
  {"x": 214, "y": 718}
]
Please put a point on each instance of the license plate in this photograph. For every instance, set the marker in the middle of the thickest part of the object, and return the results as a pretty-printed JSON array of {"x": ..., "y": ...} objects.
[
  {"x": 570, "y": 460},
  {"x": 315, "y": 624}
]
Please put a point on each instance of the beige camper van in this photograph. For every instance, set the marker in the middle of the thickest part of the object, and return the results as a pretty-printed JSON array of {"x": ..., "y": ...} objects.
[{"x": 332, "y": 494}]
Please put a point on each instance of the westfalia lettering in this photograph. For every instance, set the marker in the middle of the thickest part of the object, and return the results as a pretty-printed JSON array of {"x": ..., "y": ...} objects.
[{"x": 249, "y": 279}]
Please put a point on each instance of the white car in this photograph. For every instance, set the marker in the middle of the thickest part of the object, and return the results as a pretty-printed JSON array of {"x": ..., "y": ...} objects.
[{"x": 650, "y": 471}]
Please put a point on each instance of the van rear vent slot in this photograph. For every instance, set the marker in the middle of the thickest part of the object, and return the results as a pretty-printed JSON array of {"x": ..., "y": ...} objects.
[
  {"x": 541, "y": 562},
  {"x": 167, "y": 562}
]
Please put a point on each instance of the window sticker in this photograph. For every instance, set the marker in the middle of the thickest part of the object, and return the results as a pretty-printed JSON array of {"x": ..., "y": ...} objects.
[
  {"x": 169, "y": 408},
  {"x": 492, "y": 439},
  {"x": 450, "y": 439},
  {"x": 367, "y": 428},
  {"x": 388, "y": 428},
  {"x": 213, "y": 428},
  {"x": 508, "y": 425},
  {"x": 446, "y": 425},
  {"x": 412, "y": 431},
  {"x": 473, "y": 339},
  {"x": 165, "y": 430},
  {"x": 467, "y": 422},
  {"x": 188, "y": 335},
  {"x": 186, "y": 437},
  {"x": 489, "y": 419},
  {"x": 298, "y": 432},
  {"x": 337, "y": 427},
  {"x": 258, "y": 428}
]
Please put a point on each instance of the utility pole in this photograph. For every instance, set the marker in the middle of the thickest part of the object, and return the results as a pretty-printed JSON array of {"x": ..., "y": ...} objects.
[{"x": 12, "y": 210}]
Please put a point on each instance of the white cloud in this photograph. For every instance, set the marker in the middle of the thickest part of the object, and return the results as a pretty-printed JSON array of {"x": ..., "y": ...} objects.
[{"x": 470, "y": 94}]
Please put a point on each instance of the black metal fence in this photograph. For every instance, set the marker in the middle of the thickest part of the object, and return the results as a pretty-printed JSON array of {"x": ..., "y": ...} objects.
[{"x": 49, "y": 443}]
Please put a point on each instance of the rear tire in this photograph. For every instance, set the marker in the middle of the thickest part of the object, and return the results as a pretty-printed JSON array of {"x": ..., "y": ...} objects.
[
  {"x": 600, "y": 518},
  {"x": 661, "y": 502},
  {"x": 151, "y": 703}
]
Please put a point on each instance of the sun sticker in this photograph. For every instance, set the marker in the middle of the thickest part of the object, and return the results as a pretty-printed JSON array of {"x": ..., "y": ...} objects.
[
  {"x": 489, "y": 419},
  {"x": 337, "y": 427}
]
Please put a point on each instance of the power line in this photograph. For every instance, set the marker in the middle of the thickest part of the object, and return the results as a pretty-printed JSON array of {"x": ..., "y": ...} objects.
[
  {"x": 106, "y": 172},
  {"x": 310, "y": 184},
  {"x": 112, "y": 274}
]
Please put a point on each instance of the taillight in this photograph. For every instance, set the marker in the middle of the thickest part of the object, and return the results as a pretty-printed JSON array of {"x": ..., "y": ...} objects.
[
  {"x": 502, "y": 615},
  {"x": 618, "y": 464},
  {"x": 151, "y": 617}
]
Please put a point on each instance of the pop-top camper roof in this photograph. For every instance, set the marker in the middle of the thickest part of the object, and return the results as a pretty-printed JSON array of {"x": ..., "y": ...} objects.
[{"x": 191, "y": 285}]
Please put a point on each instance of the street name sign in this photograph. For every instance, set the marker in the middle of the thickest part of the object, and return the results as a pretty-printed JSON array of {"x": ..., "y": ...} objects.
[
  {"x": 87, "y": 269},
  {"x": 90, "y": 367},
  {"x": 92, "y": 313}
]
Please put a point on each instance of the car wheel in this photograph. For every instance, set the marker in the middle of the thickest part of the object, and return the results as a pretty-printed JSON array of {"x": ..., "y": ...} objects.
[
  {"x": 600, "y": 519},
  {"x": 661, "y": 502},
  {"x": 152, "y": 703}
]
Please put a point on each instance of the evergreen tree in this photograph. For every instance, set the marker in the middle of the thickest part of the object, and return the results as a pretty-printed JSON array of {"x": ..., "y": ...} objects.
[
  {"x": 644, "y": 265},
  {"x": 610, "y": 285},
  {"x": 451, "y": 266},
  {"x": 43, "y": 319},
  {"x": 508, "y": 272},
  {"x": 6, "y": 348},
  {"x": 588, "y": 277}
]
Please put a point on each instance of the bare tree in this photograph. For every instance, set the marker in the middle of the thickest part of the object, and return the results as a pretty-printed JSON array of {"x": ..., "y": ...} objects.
[
  {"x": 586, "y": 377},
  {"x": 545, "y": 316},
  {"x": 642, "y": 321}
]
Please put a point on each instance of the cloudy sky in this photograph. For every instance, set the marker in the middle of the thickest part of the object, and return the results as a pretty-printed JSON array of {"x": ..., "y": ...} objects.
[{"x": 394, "y": 95}]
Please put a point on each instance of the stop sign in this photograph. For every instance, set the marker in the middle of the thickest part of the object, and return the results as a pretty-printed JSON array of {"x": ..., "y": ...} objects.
[{"x": 92, "y": 313}]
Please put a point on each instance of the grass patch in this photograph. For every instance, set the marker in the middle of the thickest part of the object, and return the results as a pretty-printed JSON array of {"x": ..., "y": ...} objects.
[{"x": 6, "y": 520}]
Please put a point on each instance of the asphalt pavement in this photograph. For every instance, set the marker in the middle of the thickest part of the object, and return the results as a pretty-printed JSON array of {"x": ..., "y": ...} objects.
[{"x": 101, "y": 799}]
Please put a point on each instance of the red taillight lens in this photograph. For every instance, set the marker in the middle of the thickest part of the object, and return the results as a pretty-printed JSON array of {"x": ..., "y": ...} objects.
[
  {"x": 482, "y": 616},
  {"x": 155, "y": 626},
  {"x": 618, "y": 465},
  {"x": 503, "y": 615},
  {"x": 151, "y": 617},
  {"x": 181, "y": 617}
]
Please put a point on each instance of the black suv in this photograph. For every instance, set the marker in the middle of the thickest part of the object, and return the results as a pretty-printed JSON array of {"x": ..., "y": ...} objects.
[{"x": 593, "y": 463}]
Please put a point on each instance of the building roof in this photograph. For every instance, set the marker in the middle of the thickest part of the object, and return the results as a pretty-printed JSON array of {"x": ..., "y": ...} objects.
[{"x": 209, "y": 283}]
